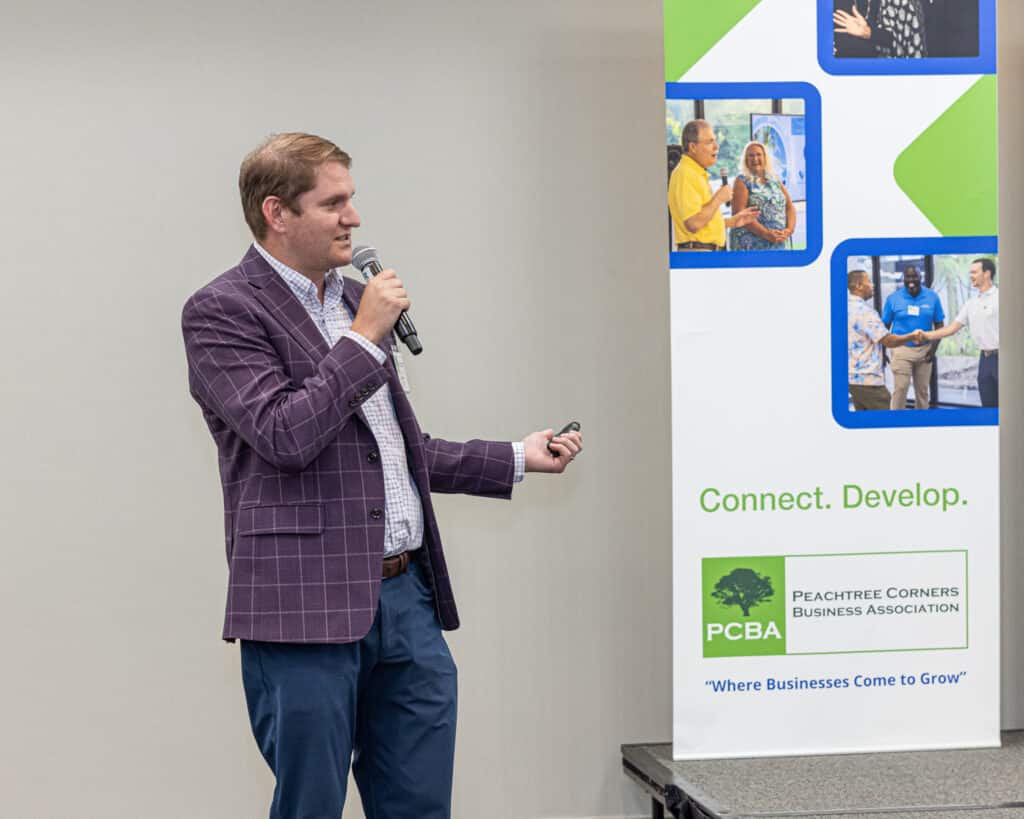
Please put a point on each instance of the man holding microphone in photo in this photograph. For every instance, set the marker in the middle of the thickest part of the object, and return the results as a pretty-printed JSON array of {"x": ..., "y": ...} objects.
[{"x": 697, "y": 220}]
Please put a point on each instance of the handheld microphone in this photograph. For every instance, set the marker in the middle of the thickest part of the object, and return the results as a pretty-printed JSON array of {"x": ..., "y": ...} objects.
[
  {"x": 724, "y": 175},
  {"x": 365, "y": 259}
]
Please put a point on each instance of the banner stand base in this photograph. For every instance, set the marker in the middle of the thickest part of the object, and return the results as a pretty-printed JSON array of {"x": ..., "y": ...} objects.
[{"x": 961, "y": 784}]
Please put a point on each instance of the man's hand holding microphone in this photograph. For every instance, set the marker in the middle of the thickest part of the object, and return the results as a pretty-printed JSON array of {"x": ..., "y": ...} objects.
[{"x": 383, "y": 301}]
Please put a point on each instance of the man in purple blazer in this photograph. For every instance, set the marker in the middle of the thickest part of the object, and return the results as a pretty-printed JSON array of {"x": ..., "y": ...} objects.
[{"x": 337, "y": 582}]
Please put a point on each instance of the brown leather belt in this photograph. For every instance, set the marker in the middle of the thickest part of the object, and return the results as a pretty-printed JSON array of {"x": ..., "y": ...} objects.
[
  {"x": 394, "y": 566},
  {"x": 698, "y": 246}
]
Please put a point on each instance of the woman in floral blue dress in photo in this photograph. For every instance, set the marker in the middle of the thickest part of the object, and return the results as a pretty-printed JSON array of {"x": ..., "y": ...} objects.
[{"x": 757, "y": 186}]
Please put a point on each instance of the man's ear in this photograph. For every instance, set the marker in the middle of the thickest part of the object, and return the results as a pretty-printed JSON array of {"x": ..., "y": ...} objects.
[{"x": 273, "y": 213}]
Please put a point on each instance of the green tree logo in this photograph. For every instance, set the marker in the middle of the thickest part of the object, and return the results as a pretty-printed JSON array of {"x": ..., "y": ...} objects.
[
  {"x": 744, "y": 588},
  {"x": 753, "y": 584}
]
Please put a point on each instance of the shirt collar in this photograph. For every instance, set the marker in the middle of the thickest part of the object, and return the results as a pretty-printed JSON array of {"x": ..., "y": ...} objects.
[
  {"x": 695, "y": 163},
  {"x": 300, "y": 285}
]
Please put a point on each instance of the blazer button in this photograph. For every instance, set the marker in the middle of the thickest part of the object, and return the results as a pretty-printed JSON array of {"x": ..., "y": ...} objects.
[
  {"x": 376, "y": 513},
  {"x": 354, "y": 402},
  {"x": 373, "y": 457}
]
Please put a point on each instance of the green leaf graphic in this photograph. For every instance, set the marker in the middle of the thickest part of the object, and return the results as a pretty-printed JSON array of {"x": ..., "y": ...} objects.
[
  {"x": 692, "y": 27},
  {"x": 951, "y": 171}
]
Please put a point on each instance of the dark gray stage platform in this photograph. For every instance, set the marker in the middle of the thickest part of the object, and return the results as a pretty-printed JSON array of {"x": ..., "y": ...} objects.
[{"x": 975, "y": 784}]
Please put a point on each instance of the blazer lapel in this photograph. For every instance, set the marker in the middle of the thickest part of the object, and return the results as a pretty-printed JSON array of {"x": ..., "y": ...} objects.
[{"x": 274, "y": 294}]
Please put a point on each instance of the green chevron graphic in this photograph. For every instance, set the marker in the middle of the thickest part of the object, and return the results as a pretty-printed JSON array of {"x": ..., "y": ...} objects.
[
  {"x": 951, "y": 171},
  {"x": 692, "y": 27}
]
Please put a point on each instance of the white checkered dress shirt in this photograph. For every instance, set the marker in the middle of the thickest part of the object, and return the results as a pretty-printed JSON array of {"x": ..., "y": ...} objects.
[{"x": 403, "y": 512}]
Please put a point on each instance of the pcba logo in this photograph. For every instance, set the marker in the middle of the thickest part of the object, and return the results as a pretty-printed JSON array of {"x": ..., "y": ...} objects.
[
  {"x": 744, "y": 631},
  {"x": 744, "y": 606}
]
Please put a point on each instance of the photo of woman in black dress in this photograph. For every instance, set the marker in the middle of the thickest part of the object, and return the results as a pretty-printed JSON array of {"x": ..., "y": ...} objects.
[
  {"x": 905, "y": 28},
  {"x": 879, "y": 28}
]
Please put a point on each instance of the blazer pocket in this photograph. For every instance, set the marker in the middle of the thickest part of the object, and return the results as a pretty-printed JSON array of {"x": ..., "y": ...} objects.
[{"x": 300, "y": 519}]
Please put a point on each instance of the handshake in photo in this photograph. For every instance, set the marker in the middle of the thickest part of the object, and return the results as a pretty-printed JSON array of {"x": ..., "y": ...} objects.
[{"x": 920, "y": 337}]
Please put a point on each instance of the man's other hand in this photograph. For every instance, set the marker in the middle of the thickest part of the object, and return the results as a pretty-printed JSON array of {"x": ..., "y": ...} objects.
[
  {"x": 383, "y": 301},
  {"x": 745, "y": 217},
  {"x": 539, "y": 459}
]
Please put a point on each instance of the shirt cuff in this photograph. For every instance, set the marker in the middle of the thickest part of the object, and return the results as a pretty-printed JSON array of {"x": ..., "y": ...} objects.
[
  {"x": 366, "y": 344},
  {"x": 518, "y": 461}
]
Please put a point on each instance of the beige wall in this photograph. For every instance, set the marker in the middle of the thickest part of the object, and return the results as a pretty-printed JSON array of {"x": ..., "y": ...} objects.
[{"x": 509, "y": 164}]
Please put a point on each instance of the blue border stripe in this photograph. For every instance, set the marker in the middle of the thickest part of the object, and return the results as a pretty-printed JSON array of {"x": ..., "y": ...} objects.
[
  {"x": 984, "y": 63},
  {"x": 875, "y": 419},
  {"x": 812, "y": 154}
]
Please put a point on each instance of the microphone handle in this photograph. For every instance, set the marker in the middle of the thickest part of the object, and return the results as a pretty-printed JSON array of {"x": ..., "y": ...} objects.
[{"x": 404, "y": 327}]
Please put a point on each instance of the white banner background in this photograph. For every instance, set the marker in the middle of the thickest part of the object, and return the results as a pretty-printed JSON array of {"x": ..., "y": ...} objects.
[{"x": 751, "y": 412}]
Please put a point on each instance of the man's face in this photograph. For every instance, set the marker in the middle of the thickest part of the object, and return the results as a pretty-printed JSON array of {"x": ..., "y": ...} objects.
[
  {"x": 979, "y": 278},
  {"x": 865, "y": 289},
  {"x": 319, "y": 237},
  {"x": 705, "y": 150},
  {"x": 912, "y": 281}
]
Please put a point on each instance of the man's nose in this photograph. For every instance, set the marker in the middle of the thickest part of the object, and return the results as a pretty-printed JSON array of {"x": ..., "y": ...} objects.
[{"x": 350, "y": 216}]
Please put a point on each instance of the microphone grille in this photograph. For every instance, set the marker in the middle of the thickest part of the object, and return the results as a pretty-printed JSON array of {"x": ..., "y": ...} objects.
[{"x": 363, "y": 255}]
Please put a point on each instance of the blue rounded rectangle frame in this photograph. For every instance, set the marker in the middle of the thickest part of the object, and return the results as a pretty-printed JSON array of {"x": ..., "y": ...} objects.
[
  {"x": 812, "y": 114},
  {"x": 984, "y": 63},
  {"x": 881, "y": 419}
]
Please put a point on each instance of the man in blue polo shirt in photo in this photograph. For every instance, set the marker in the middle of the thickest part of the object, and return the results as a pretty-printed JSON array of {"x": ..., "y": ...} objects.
[{"x": 912, "y": 307}]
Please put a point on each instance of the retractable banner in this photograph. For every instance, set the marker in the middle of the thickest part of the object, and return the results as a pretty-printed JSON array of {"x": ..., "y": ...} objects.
[{"x": 831, "y": 228}]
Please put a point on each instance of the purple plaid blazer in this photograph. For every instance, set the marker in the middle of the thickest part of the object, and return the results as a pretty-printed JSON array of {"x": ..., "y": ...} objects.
[{"x": 302, "y": 478}]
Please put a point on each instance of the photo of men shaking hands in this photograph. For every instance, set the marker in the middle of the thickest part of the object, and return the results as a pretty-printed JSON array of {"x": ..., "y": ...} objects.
[{"x": 897, "y": 357}]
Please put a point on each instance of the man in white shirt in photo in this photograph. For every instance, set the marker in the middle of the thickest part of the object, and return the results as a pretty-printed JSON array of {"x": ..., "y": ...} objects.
[{"x": 980, "y": 315}]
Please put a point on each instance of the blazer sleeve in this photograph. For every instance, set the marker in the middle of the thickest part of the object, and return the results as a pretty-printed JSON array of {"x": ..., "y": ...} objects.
[
  {"x": 475, "y": 467},
  {"x": 237, "y": 374}
]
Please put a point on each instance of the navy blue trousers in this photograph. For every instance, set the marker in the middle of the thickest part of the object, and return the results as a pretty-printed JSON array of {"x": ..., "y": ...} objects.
[
  {"x": 387, "y": 703},
  {"x": 988, "y": 380}
]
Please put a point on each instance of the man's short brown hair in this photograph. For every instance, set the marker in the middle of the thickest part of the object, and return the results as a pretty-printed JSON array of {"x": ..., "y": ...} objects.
[
  {"x": 284, "y": 166},
  {"x": 691, "y": 133}
]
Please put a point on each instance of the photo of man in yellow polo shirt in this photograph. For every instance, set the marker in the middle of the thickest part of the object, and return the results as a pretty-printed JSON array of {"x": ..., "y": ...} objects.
[{"x": 697, "y": 221}]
